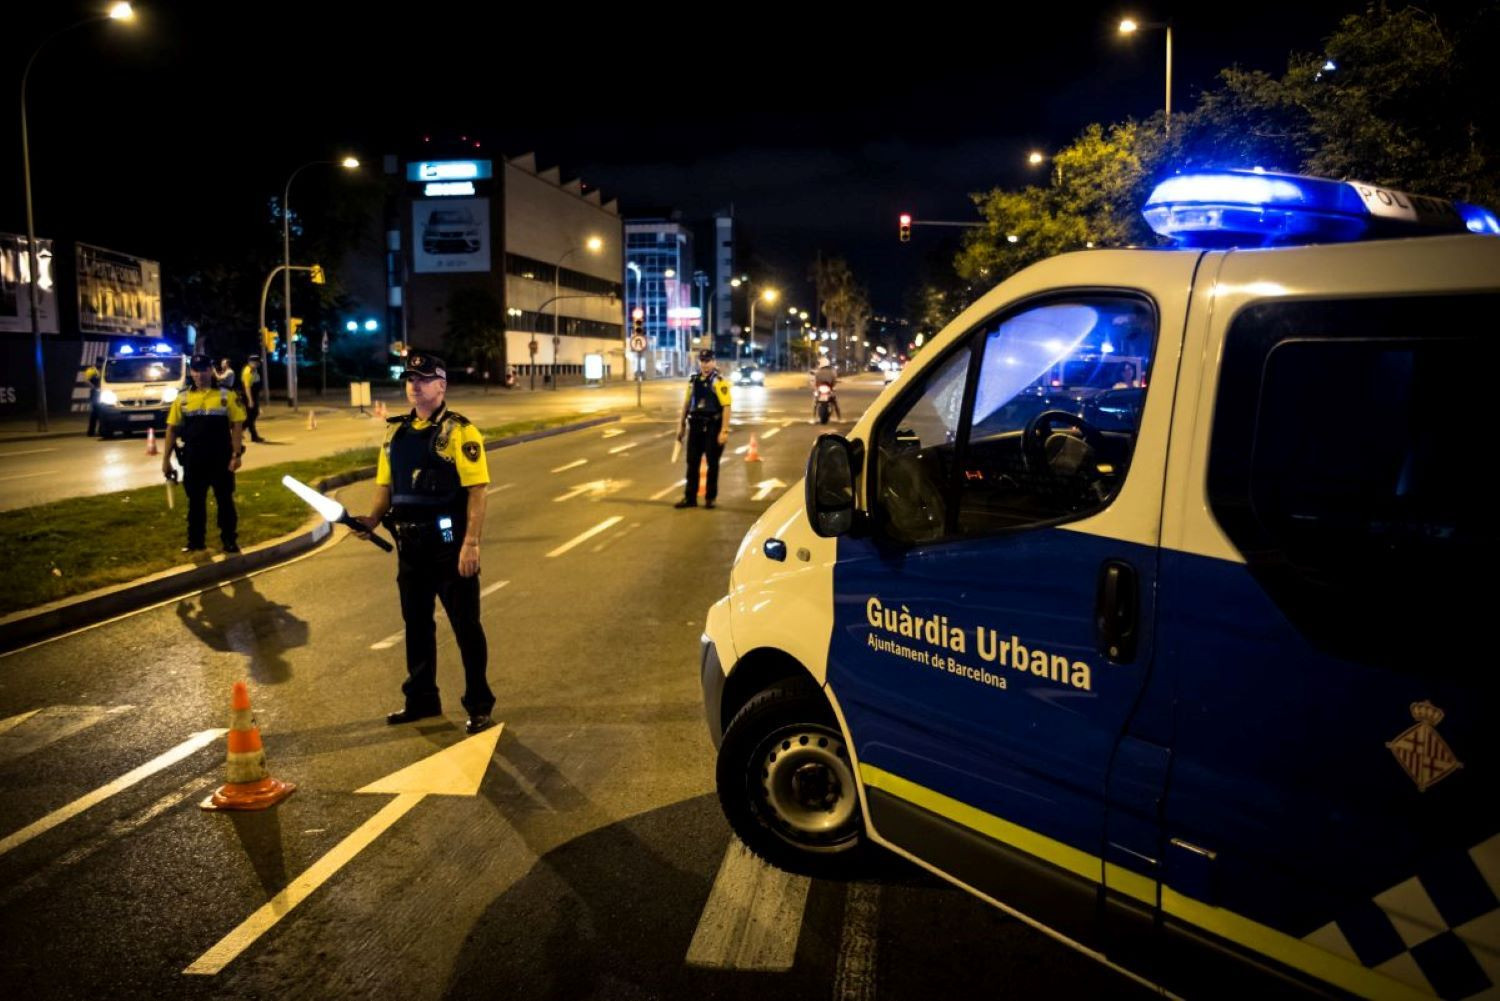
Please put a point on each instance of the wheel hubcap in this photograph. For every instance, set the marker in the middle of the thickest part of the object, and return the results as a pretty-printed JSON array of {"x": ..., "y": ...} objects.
[{"x": 808, "y": 784}]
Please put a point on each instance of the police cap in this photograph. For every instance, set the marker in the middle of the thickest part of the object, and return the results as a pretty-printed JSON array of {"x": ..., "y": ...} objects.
[
  {"x": 424, "y": 364},
  {"x": 706, "y": 354},
  {"x": 201, "y": 362}
]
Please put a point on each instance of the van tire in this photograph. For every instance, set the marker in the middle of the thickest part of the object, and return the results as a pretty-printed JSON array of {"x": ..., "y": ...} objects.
[{"x": 786, "y": 783}]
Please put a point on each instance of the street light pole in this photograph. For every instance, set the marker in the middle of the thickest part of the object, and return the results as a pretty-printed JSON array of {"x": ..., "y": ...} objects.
[
  {"x": 117, "y": 12},
  {"x": 593, "y": 245},
  {"x": 1129, "y": 26},
  {"x": 349, "y": 163}
]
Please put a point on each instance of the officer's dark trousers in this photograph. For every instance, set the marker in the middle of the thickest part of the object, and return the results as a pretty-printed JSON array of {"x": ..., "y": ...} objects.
[
  {"x": 250, "y": 414},
  {"x": 422, "y": 578},
  {"x": 93, "y": 412},
  {"x": 703, "y": 439},
  {"x": 197, "y": 481}
]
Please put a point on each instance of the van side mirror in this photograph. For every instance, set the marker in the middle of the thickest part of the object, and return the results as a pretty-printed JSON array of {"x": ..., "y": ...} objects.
[{"x": 831, "y": 471}]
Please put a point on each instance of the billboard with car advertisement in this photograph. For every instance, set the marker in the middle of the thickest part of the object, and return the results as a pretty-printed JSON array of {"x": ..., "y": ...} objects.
[{"x": 450, "y": 234}]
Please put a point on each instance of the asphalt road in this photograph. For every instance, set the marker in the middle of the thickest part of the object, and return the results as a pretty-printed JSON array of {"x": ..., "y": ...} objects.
[{"x": 581, "y": 860}]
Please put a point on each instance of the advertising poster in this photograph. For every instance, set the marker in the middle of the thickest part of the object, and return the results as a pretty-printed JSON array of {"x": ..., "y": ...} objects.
[
  {"x": 450, "y": 234},
  {"x": 15, "y": 300},
  {"x": 118, "y": 293}
]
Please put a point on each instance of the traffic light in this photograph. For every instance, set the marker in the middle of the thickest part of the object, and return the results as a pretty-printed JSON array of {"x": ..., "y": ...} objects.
[
  {"x": 268, "y": 340},
  {"x": 905, "y": 226},
  {"x": 638, "y": 322},
  {"x": 296, "y": 326},
  {"x": 318, "y": 278}
]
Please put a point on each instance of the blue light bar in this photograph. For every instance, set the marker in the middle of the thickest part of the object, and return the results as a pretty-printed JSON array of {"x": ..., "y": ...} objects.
[
  {"x": 162, "y": 349},
  {"x": 125, "y": 349},
  {"x": 1243, "y": 208}
]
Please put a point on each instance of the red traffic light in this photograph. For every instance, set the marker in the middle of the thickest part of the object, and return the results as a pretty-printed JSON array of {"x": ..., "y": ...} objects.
[
  {"x": 906, "y": 218},
  {"x": 638, "y": 313},
  {"x": 905, "y": 230}
]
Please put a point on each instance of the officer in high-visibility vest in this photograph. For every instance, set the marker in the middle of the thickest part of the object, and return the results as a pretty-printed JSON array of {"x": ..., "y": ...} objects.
[
  {"x": 705, "y": 423},
  {"x": 429, "y": 488},
  {"x": 252, "y": 387},
  {"x": 94, "y": 375},
  {"x": 207, "y": 423}
]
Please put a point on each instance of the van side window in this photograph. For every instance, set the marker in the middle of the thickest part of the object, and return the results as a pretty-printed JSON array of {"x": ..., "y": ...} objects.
[
  {"x": 1060, "y": 391},
  {"x": 1044, "y": 433},
  {"x": 1346, "y": 466},
  {"x": 914, "y": 452}
]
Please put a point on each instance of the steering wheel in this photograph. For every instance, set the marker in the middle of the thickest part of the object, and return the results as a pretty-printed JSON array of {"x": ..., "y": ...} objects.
[{"x": 1040, "y": 428}]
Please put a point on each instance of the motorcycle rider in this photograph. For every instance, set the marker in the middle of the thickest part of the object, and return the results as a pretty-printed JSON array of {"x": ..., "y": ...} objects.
[{"x": 825, "y": 375}]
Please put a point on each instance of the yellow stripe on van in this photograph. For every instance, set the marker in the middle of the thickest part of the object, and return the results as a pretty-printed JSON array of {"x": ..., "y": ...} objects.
[
  {"x": 1259, "y": 938},
  {"x": 1061, "y": 855}
]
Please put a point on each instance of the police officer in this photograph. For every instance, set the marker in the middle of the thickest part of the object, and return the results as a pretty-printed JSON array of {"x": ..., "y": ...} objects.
[
  {"x": 252, "y": 387},
  {"x": 705, "y": 422},
  {"x": 206, "y": 423},
  {"x": 430, "y": 485},
  {"x": 93, "y": 375}
]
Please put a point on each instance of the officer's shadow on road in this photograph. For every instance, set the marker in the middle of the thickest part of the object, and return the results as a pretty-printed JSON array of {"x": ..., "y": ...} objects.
[{"x": 236, "y": 618}]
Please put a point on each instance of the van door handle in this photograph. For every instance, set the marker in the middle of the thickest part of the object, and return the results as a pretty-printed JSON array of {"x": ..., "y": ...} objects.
[{"x": 1117, "y": 611}]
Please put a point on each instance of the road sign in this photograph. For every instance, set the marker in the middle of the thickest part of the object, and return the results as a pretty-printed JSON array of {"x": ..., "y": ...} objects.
[
  {"x": 637, "y": 343},
  {"x": 531, "y": 345}
]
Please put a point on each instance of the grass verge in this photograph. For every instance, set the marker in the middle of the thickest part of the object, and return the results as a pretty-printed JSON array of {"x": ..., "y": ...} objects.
[{"x": 73, "y": 546}]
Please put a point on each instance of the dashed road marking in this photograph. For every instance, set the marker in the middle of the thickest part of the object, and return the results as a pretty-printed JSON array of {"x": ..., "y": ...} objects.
[
  {"x": 854, "y": 971},
  {"x": 572, "y": 465},
  {"x": 497, "y": 489},
  {"x": 400, "y": 634},
  {"x": 29, "y": 451},
  {"x": 614, "y": 432},
  {"x": 662, "y": 493},
  {"x": 493, "y": 588},
  {"x": 21, "y": 735},
  {"x": 611, "y": 540},
  {"x": 771, "y": 434},
  {"x": 192, "y": 745},
  {"x": 26, "y": 476},
  {"x": 577, "y": 540},
  {"x": 753, "y": 916},
  {"x": 623, "y": 448}
]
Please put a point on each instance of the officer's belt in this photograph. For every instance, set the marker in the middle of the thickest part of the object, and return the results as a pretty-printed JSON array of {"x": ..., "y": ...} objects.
[
  {"x": 425, "y": 500},
  {"x": 705, "y": 414},
  {"x": 208, "y": 412}
]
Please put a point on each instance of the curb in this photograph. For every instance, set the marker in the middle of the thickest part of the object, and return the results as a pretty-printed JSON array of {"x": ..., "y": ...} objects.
[{"x": 28, "y": 627}]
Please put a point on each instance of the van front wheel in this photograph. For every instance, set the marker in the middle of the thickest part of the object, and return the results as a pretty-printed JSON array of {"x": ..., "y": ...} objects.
[{"x": 786, "y": 783}]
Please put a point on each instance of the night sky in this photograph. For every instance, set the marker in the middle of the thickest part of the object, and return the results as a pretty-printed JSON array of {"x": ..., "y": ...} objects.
[{"x": 819, "y": 128}]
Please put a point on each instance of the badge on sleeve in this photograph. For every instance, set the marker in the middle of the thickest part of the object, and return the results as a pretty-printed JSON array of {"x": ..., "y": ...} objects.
[{"x": 471, "y": 451}]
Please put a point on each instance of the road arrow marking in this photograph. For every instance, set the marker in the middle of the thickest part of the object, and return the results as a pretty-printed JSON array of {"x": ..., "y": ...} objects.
[
  {"x": 453, "y": 771},
  {"x": 764, "y": 488},
  {"x": 193, "y": 744}
]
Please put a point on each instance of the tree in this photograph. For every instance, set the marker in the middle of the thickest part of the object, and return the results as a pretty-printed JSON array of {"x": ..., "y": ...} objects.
[{"x": 476, "y": 329}]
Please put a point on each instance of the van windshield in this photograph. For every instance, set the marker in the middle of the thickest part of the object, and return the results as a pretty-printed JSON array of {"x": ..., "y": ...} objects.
[{"x": 144, "y": 369}]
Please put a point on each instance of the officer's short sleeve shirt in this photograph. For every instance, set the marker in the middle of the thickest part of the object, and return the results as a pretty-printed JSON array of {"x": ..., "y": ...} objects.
[
  {"x": 465, "y": 448},
  {"x": 205, "y": 399}
]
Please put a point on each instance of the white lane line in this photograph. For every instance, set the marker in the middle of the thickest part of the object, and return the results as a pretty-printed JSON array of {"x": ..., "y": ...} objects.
[
  {"x": 662, "y": 493},
  {"x": 496, "y": 490},
  {"x": 616, "y": 537},
  {"x": 14, "y": 721},
  {"x": 400, "y": 635},
  {"x": 49, "y": 725},
  {"x": 603, "y": 526},
  {"x": 614, "y": 432},
  {"x": 770, "y": 434},
  {"x": 787, "y": 424},
  {"x": 671, "y": 430},
  {"x": 192, "y": 745},
  {"x": 25, "y": 476},
  {"x": 237, "y": 941},
  {"x": 854, "y": 972},
  {"x": 742, "y": 450},
  {"x": 29, "y": 451},
  {"x": 572, "y": 465},
  {"x": 752, "y": 918},
  {"x": 623, "y": 448}
]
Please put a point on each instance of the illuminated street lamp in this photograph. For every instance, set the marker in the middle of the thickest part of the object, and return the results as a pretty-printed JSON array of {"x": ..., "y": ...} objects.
[
  {"x": 769, "y": 295},
  {"x": 348, "y": 163},
  {"x": 593, "y": 245},
  {"x": 117, "y": 12},
  {"x": 1130, "y": 27}
]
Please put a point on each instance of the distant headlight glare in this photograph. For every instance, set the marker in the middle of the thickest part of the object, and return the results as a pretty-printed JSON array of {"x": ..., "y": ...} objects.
[{"x": 108, "y": 397}]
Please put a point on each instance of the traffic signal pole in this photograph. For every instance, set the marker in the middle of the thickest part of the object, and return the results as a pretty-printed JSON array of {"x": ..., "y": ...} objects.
[{"x": 315, "y": 270}]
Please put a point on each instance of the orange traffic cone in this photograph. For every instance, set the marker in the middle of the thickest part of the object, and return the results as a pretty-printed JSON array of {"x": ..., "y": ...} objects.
[
  {"x": 151, "y": 441},
  {"x": 312, "y": 419},
  {"x": 753, "y": 455},
  {"x": 703, "y": 477},
  {"x": 249, "y": 787}
]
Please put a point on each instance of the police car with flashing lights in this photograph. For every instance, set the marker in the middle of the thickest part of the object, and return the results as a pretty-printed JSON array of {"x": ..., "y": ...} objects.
[
  {"x": 1187, "y": 668},
  {"x": 138, "y": 385}
]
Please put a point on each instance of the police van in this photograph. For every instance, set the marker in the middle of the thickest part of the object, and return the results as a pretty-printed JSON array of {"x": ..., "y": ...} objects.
[
  {"x": 137, "y": 387},
  {"x": 1189, "y": 673}
]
